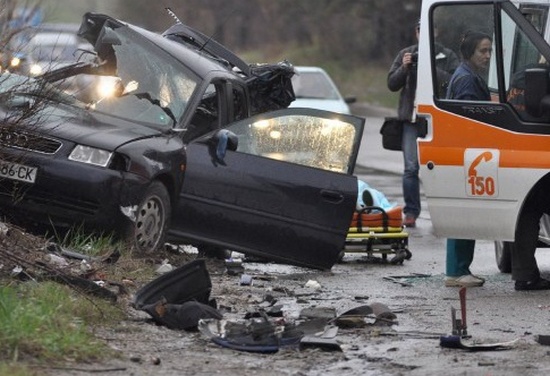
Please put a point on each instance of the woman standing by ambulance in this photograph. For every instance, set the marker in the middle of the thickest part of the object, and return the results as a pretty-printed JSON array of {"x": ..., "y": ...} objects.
[{"x": 467, "y": 84}]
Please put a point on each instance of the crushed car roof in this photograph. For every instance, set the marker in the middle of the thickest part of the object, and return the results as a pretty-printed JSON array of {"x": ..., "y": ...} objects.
[{"x": 92, "y": 29}]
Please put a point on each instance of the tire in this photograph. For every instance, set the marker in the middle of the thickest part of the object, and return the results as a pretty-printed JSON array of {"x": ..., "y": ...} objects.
[
  {"x": 148, "y": 232},
  {"x": 503, "y": 255}
]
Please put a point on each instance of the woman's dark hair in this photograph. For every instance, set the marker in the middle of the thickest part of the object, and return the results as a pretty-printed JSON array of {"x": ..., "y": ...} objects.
[{"x": 469, "y": 42}]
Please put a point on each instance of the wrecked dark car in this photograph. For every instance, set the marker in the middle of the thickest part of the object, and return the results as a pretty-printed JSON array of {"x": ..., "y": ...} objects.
[{"x": 195, "y": 147}]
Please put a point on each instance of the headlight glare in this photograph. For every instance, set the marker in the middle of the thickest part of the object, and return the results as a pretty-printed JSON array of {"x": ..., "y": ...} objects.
[
  {"x": 15, "y": 61},
  {"x": 89, "y": 155},
  {"x": 107, "y": 86},
  {"x": 35, "y": 70}
]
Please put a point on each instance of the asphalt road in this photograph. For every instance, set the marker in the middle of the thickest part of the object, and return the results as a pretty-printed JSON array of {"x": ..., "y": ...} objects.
[{"x": 495, "y": 311}]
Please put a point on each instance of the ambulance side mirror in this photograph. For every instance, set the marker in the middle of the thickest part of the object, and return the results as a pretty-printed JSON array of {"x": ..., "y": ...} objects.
[{"x": 537, "y": 92}]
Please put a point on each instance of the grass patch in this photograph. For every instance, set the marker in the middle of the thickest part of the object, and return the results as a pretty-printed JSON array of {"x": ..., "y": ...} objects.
[
  {"x": 15, "y": 369},
  {"x": 48, "y": 323},
  {"x": 90, "y": 244}
]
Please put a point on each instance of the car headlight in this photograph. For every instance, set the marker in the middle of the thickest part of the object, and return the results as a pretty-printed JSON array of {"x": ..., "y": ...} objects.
[
  {"x": 94, "y": 156},
  {"x": 35, "y": 70},
  {"x": 15, "y": 61}
]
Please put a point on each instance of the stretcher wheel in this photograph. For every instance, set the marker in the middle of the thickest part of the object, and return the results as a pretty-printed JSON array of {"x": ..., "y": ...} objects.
[{"x": 400, "y": 256}]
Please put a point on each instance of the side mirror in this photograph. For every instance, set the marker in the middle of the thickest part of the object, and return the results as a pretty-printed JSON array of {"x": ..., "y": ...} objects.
[
  {"x": 222, "y": 141},
  {"x": 537, "y": 92}
]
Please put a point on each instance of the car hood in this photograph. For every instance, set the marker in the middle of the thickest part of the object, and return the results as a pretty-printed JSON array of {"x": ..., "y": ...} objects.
[
  {"x": 95, "y": 129},
  {"x": 101, "y": 131}
]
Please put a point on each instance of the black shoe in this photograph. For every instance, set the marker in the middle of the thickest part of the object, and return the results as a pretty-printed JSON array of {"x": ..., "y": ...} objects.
[{"x": 539, "y": 284}]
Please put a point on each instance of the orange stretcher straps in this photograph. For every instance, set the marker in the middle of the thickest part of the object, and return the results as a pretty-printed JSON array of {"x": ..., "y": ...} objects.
[{"x": 374, "y": 217}]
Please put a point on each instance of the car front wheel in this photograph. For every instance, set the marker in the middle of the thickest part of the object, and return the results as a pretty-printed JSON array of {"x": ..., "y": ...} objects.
[
  {"x": 503, "y": 255},
  {"x": 152, "y": 219}
]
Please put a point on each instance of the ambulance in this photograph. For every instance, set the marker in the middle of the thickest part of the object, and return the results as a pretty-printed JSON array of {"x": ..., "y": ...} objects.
[{"x": 485, "y": 165}]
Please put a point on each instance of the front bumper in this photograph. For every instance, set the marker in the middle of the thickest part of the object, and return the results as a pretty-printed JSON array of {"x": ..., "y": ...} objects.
[{"x": 68, "y": 193}]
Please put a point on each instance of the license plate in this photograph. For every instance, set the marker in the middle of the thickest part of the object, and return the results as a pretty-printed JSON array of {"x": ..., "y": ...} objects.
[{"x": 18, "y": 171}]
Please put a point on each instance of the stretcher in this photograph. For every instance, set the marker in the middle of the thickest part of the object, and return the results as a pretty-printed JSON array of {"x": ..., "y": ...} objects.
[{"x": 374, "y": 230}]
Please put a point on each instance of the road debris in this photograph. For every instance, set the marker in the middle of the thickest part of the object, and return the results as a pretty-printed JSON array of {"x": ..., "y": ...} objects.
[
  {"x": 543, "y": 339},
  {"x": 180, "y": 298},
  {"x": 313, "y": 285},
  {"x": 455, "y": 342},
  {"x": 460, "y": 332},
  {"x": 234, "y": 266},
  {"x": 257, "y": 335},
  {"x": 460, "y": 328},
  {"x": 398, "y": 281},
  {"x": 404, "y": 280},
  {"x": 164, "y": 267},
  {"x": 246, "y": 280}
]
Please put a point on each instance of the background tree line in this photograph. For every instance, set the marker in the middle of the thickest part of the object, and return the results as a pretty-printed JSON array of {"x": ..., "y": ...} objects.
[{"x": 351, "y": 31}]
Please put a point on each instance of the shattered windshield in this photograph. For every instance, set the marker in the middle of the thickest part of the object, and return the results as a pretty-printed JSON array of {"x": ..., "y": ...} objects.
[
  {"x": 307, "y": 140},
  {"x": 153, "y": 88}
]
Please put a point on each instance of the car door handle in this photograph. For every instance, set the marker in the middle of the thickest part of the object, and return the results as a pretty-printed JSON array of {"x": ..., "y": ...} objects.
[{"x": 332, "y": 196}]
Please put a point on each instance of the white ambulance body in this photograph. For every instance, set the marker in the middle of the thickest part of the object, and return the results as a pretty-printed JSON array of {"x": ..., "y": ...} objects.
[{"x": 482, "y": 160}]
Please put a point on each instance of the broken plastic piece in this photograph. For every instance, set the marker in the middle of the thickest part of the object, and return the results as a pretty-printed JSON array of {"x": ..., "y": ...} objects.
[
  {"x": 543, "y": 339},
  {"x": 327, "y": 313},
  {"x": 129, "y": 211},
  {"x": 256, "y": 336},
  {"x": 234, "y": 266},
  {"x": 329, "y": 344},
  {"x": 355, "y": 317},
  {"x": 188, "y": 282},
  {"x": 165, "y": 267},
  {"x": 313, "y": 285},
  {"x": 455, "y": 342},
  {"x": 246, "y": 280}
]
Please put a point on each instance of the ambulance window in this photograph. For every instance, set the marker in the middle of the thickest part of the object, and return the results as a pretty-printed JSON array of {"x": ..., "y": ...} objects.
[
  {"x": 519, "y": 54},
  {"x": 536, "y": 15},
  {"x": 450, "y": 24}
]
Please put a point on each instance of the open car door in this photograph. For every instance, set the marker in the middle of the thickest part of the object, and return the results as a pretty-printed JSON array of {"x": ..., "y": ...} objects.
[{"x": 286, "y": 193}]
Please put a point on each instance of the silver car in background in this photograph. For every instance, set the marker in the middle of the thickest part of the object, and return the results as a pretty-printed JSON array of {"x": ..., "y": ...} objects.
[{"x": 314, "y": 88}]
